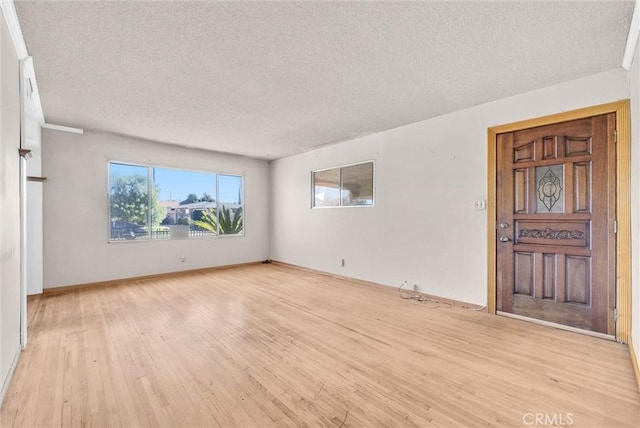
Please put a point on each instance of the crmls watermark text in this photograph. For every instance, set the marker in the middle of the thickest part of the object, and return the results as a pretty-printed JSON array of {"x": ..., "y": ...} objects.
[{"x": 550, "y": 419}]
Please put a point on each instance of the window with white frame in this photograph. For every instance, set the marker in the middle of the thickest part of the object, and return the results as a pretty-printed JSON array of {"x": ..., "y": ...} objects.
[
  {"x": 147, "y": 202},
  {"x": 344, "y": 186}
]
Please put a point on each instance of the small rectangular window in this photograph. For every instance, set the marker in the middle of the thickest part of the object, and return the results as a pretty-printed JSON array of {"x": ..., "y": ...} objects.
[{"x": 350, "y": 185}]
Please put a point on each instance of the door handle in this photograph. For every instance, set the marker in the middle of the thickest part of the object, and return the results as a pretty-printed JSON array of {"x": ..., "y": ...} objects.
[{"x": 504, "y": 239}]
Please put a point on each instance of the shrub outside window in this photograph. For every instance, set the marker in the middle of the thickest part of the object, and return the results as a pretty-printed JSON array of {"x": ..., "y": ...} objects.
[
  {"x": 148, "y": 202},
  {"x": 345, "y": 186}
]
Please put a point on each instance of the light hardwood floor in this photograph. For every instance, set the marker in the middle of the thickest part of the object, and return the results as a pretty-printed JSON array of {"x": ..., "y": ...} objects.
[{"x": 270, "y": 345}]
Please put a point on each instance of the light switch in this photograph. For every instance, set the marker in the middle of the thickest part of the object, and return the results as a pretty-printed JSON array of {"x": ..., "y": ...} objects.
[{"x": 479, "y": 204}]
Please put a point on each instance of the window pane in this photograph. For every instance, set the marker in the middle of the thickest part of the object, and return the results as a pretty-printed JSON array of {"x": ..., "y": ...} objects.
[
  {"x": 129, "y": 201},
  {"x": 357, "y": 184},
  {"x": 231, "y": 216},
  {"x": 326, "y": 188},
  {"x": 181, "y": 201},
  {"x": 549, "y": 184}
]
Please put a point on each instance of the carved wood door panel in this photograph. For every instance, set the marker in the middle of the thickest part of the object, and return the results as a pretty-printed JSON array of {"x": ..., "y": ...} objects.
[{"x": 556, "y": 219}]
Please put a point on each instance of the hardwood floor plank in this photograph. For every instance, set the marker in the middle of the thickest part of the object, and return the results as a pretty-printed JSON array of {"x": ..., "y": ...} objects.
[{"x": 271, "y": 346}]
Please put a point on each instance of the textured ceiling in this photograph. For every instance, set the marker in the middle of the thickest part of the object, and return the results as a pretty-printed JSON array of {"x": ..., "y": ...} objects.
[{"x": 270, "y": 79}]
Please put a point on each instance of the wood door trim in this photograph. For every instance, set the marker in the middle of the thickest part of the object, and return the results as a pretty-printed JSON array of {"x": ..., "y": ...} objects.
[
  {"x": 623, "y": 202},
  {"x": 634, "y": 362}
]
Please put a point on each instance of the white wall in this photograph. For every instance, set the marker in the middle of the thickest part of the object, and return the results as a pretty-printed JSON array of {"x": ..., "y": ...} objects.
[
  {"x": 423, "y": 228},
  {"x": 76, "y": 214},
  {"x": 34, "y": 236},
  {"x": 634, "y": 87},
  {"x": 31, "y": 139},
  {"x": 9, "y": 207}
]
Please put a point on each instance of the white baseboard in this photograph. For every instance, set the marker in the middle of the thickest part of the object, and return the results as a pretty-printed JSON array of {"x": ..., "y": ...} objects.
[{"x": 12, "y": 369}]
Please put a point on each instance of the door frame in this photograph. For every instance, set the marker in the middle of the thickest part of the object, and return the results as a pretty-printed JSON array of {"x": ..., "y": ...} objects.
[{"x": 623, "y": 202}]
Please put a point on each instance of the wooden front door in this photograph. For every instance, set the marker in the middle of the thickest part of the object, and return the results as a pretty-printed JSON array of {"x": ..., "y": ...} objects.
[{"x": 556, "y": 223}]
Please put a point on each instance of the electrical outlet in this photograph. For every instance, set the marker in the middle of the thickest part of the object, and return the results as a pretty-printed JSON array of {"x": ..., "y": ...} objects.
[
  {"x": 182, "y": 258},
  {"x": 342, "y": 262},
  {"x": 480, "y": 204}
]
